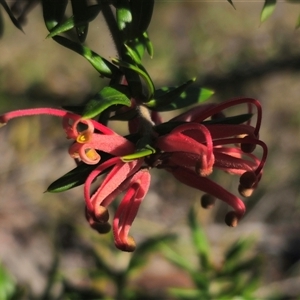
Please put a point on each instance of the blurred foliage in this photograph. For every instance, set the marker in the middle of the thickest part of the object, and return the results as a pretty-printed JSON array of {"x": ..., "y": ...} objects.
[
  {"x": 238, "y": 276},
  {"x": 9, "y": 289}
]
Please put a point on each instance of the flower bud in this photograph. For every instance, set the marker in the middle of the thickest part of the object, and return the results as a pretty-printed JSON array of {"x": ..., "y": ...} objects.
[
  {"x": 207, "y": 201},
  {"x": 102, "y": 228},
  {"x": 247, "y": 147},
  {"x": 247, "y": 183},
  {"x": 231, "y": 219},
  {"x": 245, "y": 192},
  {"x": 101, "y": 214},
  {"x": 248, "y": 179},
  {"x": 129, "y": 246}
]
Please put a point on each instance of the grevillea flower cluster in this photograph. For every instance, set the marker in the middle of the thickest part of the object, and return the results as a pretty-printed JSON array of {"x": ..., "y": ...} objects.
[{"x": 190, "y": 146}]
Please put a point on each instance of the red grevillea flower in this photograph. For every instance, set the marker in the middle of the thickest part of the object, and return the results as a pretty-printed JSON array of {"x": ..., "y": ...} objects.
[
  {"x": 123, "y": 176},
  {"x": 199, "y": 143},
  {"x": 192, "y": 150},
  {"x": 129, "y": 177}
]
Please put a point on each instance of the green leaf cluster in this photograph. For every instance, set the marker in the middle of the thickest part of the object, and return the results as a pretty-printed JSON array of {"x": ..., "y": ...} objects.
[{"x": 237, "y": 277}]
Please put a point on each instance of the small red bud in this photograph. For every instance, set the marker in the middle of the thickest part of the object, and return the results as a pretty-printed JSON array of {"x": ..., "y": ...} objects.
[
  {"x": 102, "y": 228},
  {"x": 207, "y": 201},
  {"x": 247, "y": 147},
  {"x": 231, "y": 219},
  {"x": 129, "y": 246},
  {"x": 101, "y": 214},
  {"x": 248, "y": 179}
]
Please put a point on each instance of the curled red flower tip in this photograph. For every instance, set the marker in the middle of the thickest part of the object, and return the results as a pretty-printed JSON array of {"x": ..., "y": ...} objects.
[{"x": 137, "y": 187}]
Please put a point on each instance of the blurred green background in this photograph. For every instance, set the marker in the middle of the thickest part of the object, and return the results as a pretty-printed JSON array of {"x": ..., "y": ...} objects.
[{"x": 228, "y": 51}]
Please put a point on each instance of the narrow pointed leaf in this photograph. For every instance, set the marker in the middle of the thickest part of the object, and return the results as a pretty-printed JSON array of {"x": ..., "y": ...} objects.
[
  {"x": 170, "y": 98},
  {"x": 76, "y": 21},
  {"x": 147, "y": 43},
  {"x": 241, "y": 267},
  {"x": 53, "y": 12},
  {"x": 230, "y": 1},
  {"x": 134, "y": 55},
  {"x": 60, "y": 28},
  {"x": 103, "y": 66},
  {"x": 79, "y": 8},
  {"x": 181, "y": 293},
  {"x": 142, "y": 72},
  {"x": 139, "y": 45},
  {"x": 74, "y": 178},
  {"x": 177, "y": 259},
  {"x": 10, "y": 14},
  {"x": 148, "y": 150},
  {"x": 267, "y": 10},
  {"x": 146, "y": 248},
  {"x": 188, "y": 97},
  {"x": 141, "y": 16},
  {"x": 166, "y": 96},
  {"x": 107, "y": 97},
  {"x": 240, "y": 119},
  {"x": 199, "y": 239},
  {"x": 123, "y": 14},
  {"x": 236, "y": 251}
]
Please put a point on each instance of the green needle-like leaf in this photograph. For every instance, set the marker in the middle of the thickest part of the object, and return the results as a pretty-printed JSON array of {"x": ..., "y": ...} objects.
[
  {"x": 239, "y": 119},
  {"x": 237, "y": 249},
  {"x": 241, "y": 267},
  {"x": 146, "y": 248},
  {"x": 199, "y": 239},
  {"x": 123, "y": 14},
  {"x": 267, "y": 10},
  {"x": 166, "y": 96},
  {"x": 148, "y": 150},
  {"x": 141, "y": 11},
  {"x": 107, "y": 97},
  {"x": 53, "y": 12},
  {"x": 187, "y": 294},
  {"x": 103, "y": 66},
  {"x": 60, "y": 28},
  {"x": 142, "y": 72},
  {"x": 177, "y": 259},
  {"x": 134, "y": 55},
  {"x": 80, "y": 9},
  {"x": 166, "y": 99},
  {"x": 10, "y": 14},
  {"x": 76, "y": 21},
  {"x": 230, "y": 1},
  {"x": 74, "y": 178},
  {"x": 146, "y": 41}
]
